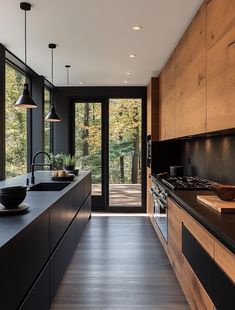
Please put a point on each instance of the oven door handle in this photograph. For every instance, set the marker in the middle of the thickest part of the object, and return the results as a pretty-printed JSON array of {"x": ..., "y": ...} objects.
[{"x": 162, "y": 205}]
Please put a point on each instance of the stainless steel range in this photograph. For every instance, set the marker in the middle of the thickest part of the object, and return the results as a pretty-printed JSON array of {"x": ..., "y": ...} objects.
[
  {"x": 187, "y": 183},
  {"x": 160, "y": 193}
]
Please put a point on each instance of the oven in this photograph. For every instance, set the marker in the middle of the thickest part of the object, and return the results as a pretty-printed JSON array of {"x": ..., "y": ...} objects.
[{"x": 159, "y": 200}]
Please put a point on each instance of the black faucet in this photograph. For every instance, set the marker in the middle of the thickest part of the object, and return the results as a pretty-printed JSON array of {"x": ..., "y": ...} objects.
[{"x": 39, "y": 164}]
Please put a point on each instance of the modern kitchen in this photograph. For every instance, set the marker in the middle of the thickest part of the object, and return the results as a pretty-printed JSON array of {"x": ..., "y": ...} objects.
[{"x": 117, "y": 175}]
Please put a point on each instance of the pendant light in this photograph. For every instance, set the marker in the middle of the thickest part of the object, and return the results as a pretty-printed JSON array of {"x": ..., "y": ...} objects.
[
  {"x": 67, "y": 67},
  {"x": 25, "y": 100},
  {"x": 52, "y": 115}
]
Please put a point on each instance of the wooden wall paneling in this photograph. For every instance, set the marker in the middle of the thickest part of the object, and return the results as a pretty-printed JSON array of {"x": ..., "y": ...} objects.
[
  {"x": 170, "y": 98},
  {"x": 220, "y": 64},
  {"x": 162, "y": 106},
  {"x": 149, "y": 109},
  {"x": 191, "y": 78}
]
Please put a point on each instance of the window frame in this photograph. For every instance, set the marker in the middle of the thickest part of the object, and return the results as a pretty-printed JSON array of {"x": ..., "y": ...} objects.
[
  {"x": 28, "y": 119},
  {"x": 46, "y": 86}
]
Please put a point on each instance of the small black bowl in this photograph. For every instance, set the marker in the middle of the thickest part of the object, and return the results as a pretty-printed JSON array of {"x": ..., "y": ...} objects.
[{"x": 11, "y": 197}]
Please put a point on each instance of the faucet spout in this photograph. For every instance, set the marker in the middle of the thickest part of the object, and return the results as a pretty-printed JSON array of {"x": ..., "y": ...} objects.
[{"x": 39, "y": 164}]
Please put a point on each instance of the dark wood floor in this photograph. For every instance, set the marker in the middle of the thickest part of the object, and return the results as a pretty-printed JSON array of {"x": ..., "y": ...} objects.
[{"x": 119, "y": 264}]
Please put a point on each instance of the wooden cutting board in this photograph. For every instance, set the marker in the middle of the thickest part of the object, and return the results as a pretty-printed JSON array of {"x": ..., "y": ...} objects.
[{"x": 216, "y": 203}]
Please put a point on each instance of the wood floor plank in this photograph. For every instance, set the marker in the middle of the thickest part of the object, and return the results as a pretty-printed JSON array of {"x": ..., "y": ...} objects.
[{"x": 119, "y": 264}]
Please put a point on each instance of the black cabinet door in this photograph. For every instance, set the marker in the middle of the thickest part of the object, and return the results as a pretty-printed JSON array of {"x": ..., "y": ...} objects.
[
  {"x": 21, "y": 261},
  {"x": 60, "y": 259},
  {"x": 82, "y": 217},
  {"x": 224, "y": 290},
  {"x": 63, "y": 212},
  {"x": 38, "y": 298}
]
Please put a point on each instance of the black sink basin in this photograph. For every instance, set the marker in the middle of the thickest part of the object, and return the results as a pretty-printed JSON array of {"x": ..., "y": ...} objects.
[{"x": 41, "y": 187}]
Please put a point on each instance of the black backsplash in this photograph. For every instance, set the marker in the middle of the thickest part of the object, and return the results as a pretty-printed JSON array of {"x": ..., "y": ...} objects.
[{"x": 212, "y": 158}]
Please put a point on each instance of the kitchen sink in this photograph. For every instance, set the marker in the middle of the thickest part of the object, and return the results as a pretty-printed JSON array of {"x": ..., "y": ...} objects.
[{"x": 55, "y": 186}]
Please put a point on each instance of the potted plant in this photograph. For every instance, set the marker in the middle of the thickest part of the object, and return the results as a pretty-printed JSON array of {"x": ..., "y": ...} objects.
[
  {"x": 57, "y": 161},
  {"x": 69, "y": 162}
]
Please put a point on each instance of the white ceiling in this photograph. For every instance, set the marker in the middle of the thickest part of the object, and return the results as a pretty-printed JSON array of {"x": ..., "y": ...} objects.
[{"x": 95, "y": 37}]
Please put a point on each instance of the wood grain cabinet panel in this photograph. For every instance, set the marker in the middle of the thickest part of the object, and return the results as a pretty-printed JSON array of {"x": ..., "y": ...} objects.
[
  {"x": 162, "y": 106},
  {"x": 225, "y": 259},
  {"x": 175, "y": 237},
  {"x": 196, "y": 295},
  {"x": 191, "y": 78},
  {"x": 153, "y": 109},
  {"x": 220, "y": 65},
  {"x": 170, "y": 98},
  {"x": 201, "y": 234},
  {"x": 149, "y": 196}
]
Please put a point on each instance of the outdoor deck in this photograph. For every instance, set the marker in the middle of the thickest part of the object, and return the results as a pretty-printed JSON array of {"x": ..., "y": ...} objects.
[{"x": 121, "y": 194}]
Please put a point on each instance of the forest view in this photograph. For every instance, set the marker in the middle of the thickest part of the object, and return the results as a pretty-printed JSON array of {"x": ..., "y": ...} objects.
[
  {"x": 124, "y": 140},
  {"x": 16, "y": 125}
]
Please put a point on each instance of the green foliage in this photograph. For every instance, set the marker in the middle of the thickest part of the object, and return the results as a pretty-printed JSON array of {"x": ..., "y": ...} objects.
[
  {"x": 57, "y": 161},
  {"x": 124, "y": 139},
  {"x": 70, "y": 160},
  {"x": 16, "y": 125}
]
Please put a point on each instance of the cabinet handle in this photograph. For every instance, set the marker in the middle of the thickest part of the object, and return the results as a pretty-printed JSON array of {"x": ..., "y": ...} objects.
[{"x": 231, "y": 43}]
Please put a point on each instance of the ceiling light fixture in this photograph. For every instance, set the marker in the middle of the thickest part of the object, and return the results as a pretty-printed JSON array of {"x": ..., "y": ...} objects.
[
  {"x": 132, "y": 55},
  {"x": 25, "y": 100},
  {"x": 67, "y": 67},
  {"x": 128, "y": 73},
  {"x": 136, "y": 28},
  {"x": 52, "y": 115},
  {"x": 80, "y": 83},
  {"x": 125, "y": 82}
]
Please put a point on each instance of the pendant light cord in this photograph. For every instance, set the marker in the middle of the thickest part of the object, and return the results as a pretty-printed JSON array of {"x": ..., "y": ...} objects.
[
  {"x": 52, "y": 68},
  {"x": 25, "y": 44},
  {"x": 68, "y": 75}
]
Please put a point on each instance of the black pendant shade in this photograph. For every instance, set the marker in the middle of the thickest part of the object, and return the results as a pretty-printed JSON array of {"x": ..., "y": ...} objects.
[
  {"x": 25, "y": 100},
  {"x": 52, "y": 116}
]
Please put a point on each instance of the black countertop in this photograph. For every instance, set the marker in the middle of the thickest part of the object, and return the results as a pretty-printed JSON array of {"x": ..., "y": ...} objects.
[
  {"x": 222, "y": 226},
  {"x": 38, "y": 202}
]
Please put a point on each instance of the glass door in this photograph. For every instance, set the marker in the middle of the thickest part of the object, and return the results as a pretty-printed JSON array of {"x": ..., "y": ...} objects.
[
  {"x": 125, "y": 132},
  {"x": 88, "y": 143}
]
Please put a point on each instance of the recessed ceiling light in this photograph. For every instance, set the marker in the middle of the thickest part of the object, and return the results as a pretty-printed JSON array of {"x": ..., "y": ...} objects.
[
  {"x": 125, "y": 82},
  {"x": 137, "y": 28},
  {"x": 132, "y": 55},
  {"x": 80, "y": 83},
  {"x": 128, "y": 73}
]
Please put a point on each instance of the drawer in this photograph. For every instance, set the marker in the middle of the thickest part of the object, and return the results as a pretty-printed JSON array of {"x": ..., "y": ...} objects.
[
  {"x": 201, "y": 234},
  {"x": 225, "y": 259}
]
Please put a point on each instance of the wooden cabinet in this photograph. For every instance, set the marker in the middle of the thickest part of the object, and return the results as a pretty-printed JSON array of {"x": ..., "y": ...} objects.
[
  {"x": 153, "y": 109},
  {"x": 149, "y": 196},
  {"x": 169, "y": 98},
  {"x": 204, "y": 267},
  {"x": 220, "y": 64},
  {"x": 175, "y": 237},
  {"x": 190, "y": 78},
  {"x": 192, "y": 287}
]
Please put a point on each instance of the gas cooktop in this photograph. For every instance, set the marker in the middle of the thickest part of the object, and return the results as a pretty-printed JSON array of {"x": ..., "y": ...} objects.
[{"x": 187, "y": 183}]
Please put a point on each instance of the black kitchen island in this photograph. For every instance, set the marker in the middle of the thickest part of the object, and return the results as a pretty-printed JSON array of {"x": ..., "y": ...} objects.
[{"x": 36, "y": 246}]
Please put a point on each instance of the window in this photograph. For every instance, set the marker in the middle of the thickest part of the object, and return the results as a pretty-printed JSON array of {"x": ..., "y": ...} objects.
[
  {"x": 15, "y": 126},
  {"x": 47, "y": 125}
]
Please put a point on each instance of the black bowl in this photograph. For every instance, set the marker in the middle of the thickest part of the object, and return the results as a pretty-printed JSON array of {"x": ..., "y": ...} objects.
[
  {"x": 12, "y": 189},
  {"x": 11, "y": 197}
]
